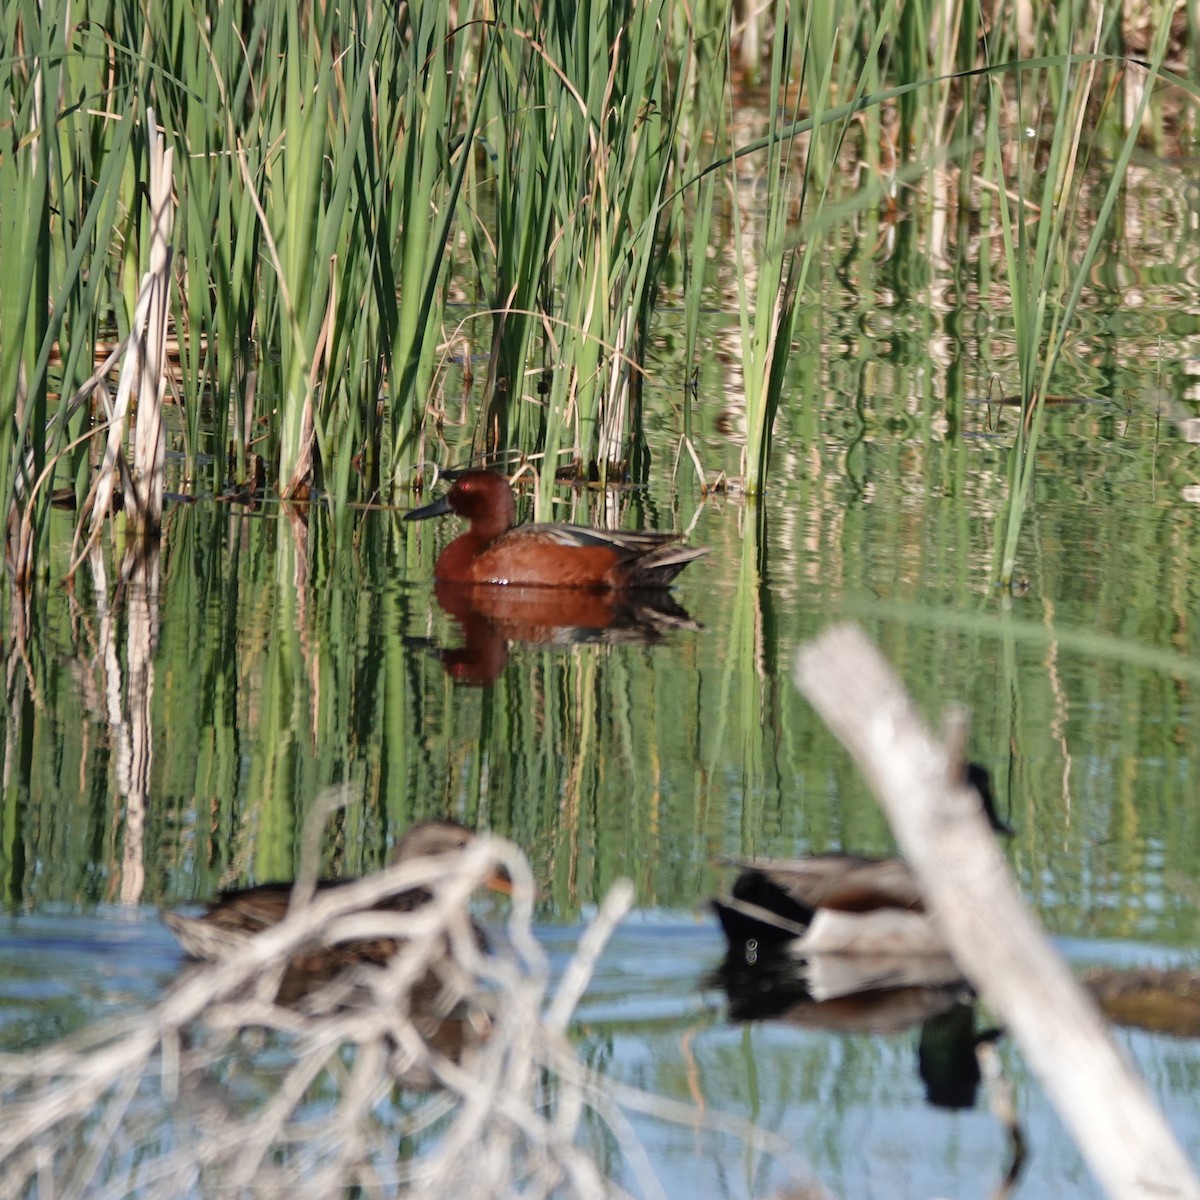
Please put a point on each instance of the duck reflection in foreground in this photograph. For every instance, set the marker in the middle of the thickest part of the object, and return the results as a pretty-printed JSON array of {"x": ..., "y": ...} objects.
[
  {"x": 492, "y": 618},
  {"x": 869, "y": 995}
]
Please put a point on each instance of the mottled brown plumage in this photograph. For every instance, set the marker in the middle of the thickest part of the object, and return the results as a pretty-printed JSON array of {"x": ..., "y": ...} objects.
[{"x": 241, "y": 913}]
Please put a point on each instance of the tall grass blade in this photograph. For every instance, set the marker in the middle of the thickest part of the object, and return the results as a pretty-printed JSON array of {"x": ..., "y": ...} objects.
[{"x": 1037, "y": 266}]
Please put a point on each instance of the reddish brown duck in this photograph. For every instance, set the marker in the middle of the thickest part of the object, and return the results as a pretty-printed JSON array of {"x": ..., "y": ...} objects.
[
  {"x": 496, "y": 550},
  {"x": 241, "y": 913}
]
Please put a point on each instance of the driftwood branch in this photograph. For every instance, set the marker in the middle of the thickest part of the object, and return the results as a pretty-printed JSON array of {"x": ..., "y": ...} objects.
[{"x": 994, "y": 937}]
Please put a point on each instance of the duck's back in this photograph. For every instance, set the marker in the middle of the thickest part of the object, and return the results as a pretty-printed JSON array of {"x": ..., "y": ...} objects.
[
  {"x": 555, "y": 555},
  {"x": 845, "y": 882},
  {"x": 252, "y": 909}
]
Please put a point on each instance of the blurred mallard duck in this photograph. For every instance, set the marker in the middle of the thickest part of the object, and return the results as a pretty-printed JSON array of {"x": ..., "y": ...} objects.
[
  {"x": 239, "y": 914},
  {"x": 836, "y": 903}
]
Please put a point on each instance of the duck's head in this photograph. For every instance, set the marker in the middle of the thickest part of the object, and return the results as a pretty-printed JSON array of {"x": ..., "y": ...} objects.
[
  {"x": 429, "y": 839},
  {"x": 481, "y": 496}
]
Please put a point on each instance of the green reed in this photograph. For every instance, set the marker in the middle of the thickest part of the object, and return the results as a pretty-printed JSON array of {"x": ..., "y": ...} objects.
[
  {"x": 566, "y": 208},
  {"x": 65, "y": 200},
  {"x": 767, "y": 308},
  {"x": 1044, "y": 284},
  {"x": 345, "y": 173},
  {"x": 833, "y": 61},
  {"x": 695, "y": 208}
]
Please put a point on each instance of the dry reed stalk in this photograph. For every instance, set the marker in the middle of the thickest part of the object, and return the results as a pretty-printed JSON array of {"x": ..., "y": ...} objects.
[
  {"x": 148, "y": 444},
  {"x": 142, "y": 371}
]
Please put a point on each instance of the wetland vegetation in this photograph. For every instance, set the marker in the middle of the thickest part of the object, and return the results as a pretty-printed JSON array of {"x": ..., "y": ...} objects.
[{"x": 886, "y": 304}]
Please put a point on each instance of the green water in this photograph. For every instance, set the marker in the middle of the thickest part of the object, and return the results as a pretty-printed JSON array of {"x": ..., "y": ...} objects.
[{"x": 170, "y": 741}]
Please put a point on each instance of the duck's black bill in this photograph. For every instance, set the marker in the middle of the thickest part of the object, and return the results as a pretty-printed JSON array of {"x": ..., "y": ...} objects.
[
  {"x": 759, "y": 917},
  {"x": 439, "y": 508}
]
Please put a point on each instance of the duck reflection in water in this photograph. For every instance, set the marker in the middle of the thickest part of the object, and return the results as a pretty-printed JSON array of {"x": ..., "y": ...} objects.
[
  {"x": 837, "y": 996},
  {"x": 493, "y": 618}
]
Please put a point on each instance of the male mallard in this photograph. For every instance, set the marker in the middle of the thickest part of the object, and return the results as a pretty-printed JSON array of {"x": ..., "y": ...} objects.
[{"x": 836, "y": 903}]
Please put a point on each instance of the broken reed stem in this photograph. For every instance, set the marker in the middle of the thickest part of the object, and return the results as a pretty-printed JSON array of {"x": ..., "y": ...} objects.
[
  {"x": 142, "y": 371},
  {"x": 148, "y": 445}
]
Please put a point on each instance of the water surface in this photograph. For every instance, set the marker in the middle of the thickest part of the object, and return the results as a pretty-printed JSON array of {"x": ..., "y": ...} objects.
[{"x": 166, "y": 737}]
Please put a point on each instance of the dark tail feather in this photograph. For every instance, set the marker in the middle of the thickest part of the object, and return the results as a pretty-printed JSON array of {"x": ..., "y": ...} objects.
[{"x": 658, "y": 568}]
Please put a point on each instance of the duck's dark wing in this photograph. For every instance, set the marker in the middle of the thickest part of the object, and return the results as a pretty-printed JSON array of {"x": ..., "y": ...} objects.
[
  {"x": 656, "y": 558},
  {"x": 633, "y": 542},
  {"x": 571, "y": 556}
]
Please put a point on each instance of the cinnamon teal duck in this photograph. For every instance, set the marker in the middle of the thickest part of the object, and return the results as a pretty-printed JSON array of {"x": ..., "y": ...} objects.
[{"x": 495, "y": 550}]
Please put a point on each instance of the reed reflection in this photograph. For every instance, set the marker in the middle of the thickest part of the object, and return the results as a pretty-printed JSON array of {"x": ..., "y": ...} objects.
[{"x": 128, "y": 693}]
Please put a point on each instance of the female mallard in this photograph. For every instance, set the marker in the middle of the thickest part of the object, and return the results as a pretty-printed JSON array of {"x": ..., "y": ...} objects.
[
  {"x": 241, "y": 913},
  {"x": 836, "y": 903}
]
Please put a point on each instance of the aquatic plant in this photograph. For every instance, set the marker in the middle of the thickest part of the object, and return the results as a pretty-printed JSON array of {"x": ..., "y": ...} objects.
[
  {"x": 345, "y": 173},
  {"x": 1037, "y": 222}
]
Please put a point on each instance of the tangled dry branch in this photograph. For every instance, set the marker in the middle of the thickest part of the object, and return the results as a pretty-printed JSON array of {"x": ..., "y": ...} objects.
[{"x": 447, "y": 1073}]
